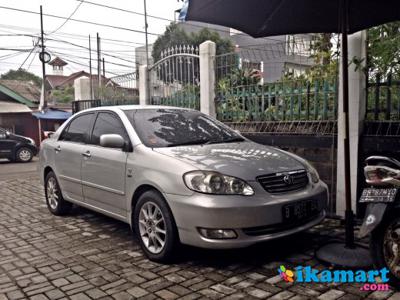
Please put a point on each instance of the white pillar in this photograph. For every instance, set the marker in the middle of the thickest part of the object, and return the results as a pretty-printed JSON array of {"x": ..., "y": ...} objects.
[
  {"x": 207, "y": 78},
  {"x": 144, "y": 97},
  {"x": 82, "y": 89},
  {"x": 357, "y": 105}
]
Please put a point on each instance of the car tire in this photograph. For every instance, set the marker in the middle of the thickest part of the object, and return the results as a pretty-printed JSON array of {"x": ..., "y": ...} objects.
[
  {"x": 24, "y": 154},
  {"x": 155, "y": 227},
  {"x": 54, "y": 199}
]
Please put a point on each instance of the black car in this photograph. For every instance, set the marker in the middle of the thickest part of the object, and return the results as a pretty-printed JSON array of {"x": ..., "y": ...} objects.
[{"x": 16, "y": 147}]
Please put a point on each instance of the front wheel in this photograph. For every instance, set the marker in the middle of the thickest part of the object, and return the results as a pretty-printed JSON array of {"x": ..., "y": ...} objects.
[
  {"x": 155, "y": 227},
  {"x": 385, "y": 248},
  {"x": 24, "y": 154}
]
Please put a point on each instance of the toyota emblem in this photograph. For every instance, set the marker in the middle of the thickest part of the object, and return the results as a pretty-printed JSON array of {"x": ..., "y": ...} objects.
[{"x": 288, "y": 179}]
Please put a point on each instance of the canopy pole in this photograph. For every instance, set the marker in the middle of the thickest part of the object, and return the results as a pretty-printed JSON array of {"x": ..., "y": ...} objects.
[
  {"x": 349, "y": 215},
  {"x": 346, "y": 254}
]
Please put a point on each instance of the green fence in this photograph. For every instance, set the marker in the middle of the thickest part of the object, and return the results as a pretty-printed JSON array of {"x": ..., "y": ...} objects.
[
  {"x": 187, "y": 96},
  {"x": 280, "y": 101},
  {"x": 383, "y": 98}
]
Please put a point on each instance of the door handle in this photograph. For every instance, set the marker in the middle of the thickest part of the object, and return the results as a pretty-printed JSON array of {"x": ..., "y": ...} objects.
[
  {"x": 57, "y": 149},
  {"x": 87, "y": 154}
]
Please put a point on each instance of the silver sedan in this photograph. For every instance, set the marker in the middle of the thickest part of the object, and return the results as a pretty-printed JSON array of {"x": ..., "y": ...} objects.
[{"x": 178, "y": 176}]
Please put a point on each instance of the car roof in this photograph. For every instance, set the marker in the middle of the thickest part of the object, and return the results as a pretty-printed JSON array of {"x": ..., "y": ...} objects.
[{"x": 133, "y": 106}]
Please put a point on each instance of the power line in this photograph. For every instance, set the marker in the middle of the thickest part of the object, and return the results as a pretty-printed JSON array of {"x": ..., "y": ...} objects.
[
  {"x": 119, "y": 52},
  {"x": 10, "y": 55},
  {"x": 80, "y": 64},
  {"x": 70, "y": 35},
  {"x": 16, "y": 64},
  {"x": 28, "y": 55},
  {"x": 124, "y": 10},
  {"x": 86, "y": 58},
  {"x": 30, "y": 64},
  {"x": 70, "y": 16},
  {"x": 166, "y": 19},
  {"x": 77, "y": 20},
  {"x": 83, "y": 47},
  {"x": 16, "y": 49}
]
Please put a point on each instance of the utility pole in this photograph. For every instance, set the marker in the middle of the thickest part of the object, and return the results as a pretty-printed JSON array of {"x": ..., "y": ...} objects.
[
  {"x": 44, "y": 103},
  {"x": 146, "y": 25},
  {"x": 104, "y": 68},
  {"x": 99, "y": 64},
  {"x": 145, "y": 30},
  {"x": 90, "y": 69}
]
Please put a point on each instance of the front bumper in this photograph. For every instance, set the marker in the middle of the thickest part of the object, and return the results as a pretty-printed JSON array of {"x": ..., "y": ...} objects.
[{"x": 254, "y": 218}]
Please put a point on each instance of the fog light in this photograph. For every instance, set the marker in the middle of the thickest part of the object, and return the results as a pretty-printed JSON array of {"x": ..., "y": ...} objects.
[{"x": 218, "y": 234}]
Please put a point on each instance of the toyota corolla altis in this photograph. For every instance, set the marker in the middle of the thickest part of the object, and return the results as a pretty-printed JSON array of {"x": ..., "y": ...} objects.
[{"x": 178, "y": 176}]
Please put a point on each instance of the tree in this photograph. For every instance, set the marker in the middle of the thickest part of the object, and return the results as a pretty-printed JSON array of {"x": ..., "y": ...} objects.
[
  {"x": 23, "y": 75},
  {"x": 175, "y": 36},
  {"x": 384, "y": 49},
  {"x": 223, "y": 45},
  {"x": 63, "y": 95}
]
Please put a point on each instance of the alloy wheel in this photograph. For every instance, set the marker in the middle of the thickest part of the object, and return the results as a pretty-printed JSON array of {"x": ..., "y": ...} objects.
[
  {"x": 52, "y": 193},
  {"x": 24, "y": 155},
  {"x": 152, "y": 227}
]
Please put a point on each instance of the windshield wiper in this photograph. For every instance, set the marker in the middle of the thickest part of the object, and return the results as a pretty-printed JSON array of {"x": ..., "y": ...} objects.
[
  {"x": 195, "y": 142},
  {"x": 232, "y": 140}
]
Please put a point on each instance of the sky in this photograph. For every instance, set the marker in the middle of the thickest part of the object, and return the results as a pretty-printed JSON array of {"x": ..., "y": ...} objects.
[{"x": 119, "y": 54}]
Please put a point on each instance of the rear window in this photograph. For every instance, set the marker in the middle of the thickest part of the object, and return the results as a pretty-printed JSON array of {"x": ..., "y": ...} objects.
[
  {"x": 170, "y": 127},
  {"x": 78, "y": 130}
]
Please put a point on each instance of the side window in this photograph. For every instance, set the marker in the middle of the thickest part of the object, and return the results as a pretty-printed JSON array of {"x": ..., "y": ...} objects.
[
  {"x": 107, "y": 123},
  {"x": 78, "y": 130}
]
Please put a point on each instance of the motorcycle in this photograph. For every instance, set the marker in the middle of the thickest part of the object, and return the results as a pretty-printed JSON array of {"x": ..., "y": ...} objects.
[{"x": 382, "y": 218}]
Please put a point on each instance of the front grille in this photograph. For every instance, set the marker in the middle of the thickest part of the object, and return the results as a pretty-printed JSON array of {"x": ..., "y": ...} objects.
[{"x": 284, "y": 182}]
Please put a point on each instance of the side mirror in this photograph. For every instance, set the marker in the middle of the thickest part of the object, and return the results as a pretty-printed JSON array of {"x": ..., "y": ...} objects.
[{"x": 112, "y": 141}]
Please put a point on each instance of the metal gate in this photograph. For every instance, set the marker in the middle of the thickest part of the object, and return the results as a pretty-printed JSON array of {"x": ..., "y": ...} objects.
[{"x": 175, "y": 79}]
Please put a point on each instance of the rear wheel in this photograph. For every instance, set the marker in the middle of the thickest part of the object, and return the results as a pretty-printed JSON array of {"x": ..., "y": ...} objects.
[
  {"x": 385, "y": 248},
  {"x": 155, "y": 227},
  {"x": 54, "y": 199},
  {"x": 24, "y": 154}
]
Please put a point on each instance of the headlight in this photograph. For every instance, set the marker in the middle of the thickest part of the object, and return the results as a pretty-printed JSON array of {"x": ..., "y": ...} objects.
[
  {"x": 215, "y": 183},
  {"x": 313, "y": 173}
]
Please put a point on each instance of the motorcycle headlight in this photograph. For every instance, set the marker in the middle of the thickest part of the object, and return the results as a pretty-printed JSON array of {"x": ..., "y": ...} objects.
[
  {"x": 313, "y": 173},
  {"x": 209, "y": 182}
]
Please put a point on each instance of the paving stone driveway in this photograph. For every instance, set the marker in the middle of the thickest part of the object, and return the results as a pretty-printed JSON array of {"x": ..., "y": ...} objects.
[{"x": 89, "y": 256}]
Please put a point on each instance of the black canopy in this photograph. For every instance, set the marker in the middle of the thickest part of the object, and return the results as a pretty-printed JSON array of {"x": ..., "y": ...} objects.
[{"x": 261, "y": 18}]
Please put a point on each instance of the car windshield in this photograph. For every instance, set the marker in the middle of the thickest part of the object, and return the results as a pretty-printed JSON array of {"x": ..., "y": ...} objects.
[{"x": 177, "y": 127}]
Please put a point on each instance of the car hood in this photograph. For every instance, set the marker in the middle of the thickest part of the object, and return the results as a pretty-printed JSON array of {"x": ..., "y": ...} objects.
[
  {"x": 245, "y": 160},
  {"x": 19, "y": 138}
]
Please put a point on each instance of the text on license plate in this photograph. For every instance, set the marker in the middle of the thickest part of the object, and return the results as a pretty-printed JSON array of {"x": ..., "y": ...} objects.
[
  {"x": 378, "y": 195},
  {"x": 300, "y": 210}
]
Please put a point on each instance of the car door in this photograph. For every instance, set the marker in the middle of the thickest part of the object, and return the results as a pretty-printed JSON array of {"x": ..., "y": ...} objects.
[
  {"x": 7, "y": 145},
  {"x": 68, "y": 155},
  {"x": 104, "y": 169}
]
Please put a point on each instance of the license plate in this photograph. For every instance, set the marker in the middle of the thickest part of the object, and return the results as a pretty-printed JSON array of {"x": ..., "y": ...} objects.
[
  {"x": 300, "y": 210},
  {"x": 378, "y": 195}
]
